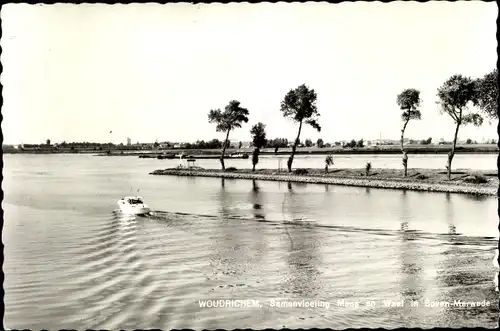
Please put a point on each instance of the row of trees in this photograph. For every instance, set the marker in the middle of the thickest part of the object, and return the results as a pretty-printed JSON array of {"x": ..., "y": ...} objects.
[
  {"x": 455, "y": 97},
  {"x": 212, "y": 144},
  {"x": 298, "y": 105},
  {"x": 281, "y": 142}
]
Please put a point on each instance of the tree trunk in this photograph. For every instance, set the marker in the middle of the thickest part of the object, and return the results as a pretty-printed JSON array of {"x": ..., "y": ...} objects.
[
  {"x": 294, "y": 148},
  {"x": 224, "y": 150},
  {"x": 405, "y": 163},
  {"x": 451, "y": 154},
  {"x": 405, "y": 156}
]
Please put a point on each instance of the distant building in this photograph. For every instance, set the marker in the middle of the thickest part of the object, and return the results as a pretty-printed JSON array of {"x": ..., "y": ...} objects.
[{"x": 129, "y": 141}]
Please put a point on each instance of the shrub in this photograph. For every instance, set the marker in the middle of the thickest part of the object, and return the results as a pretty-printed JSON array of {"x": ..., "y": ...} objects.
[
  {"x": 422, "y": 176},
  {"x": 231, "y": 169},
  {"x": 328, "y": 162},
  {"x": 301, "y": 171}
]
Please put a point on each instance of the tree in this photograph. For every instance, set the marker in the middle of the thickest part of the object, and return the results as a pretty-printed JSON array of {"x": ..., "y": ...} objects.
[
  {"x": 360, "y": 143},
  {"x": 309, "y": 143},
  {"x": 350, "y": 144},
  {"x": 47, "y": 142},
  {"x": 300, "y": 105},
  {"x": 426, "y": 141},
  {"x": 212, "y": 144},
  {"x": 320, "y": 143},
  {"x": 487, "y": 94},
  {"x": 258, "y": 132},
  {"x": 277, "y": 143},
  {"x": 239, "y": 145},
  {"x": 259, "y": 140},
  {"x": 408, "y": 101},
  {"x": 455, "y": 95},
  {"x": 328, "y": 162},
  {"x": 231, "y": 118}
]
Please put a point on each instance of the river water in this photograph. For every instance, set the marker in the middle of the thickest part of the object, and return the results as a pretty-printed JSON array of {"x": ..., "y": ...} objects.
[
  {"x": 72, "y": 261},
  {"x": 390, "y": 161}
]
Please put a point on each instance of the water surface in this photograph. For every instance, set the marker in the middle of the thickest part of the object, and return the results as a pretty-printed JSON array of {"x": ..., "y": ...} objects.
[
  {"x": 72, "y": 262},
  {"x": 387, "y": 161}
]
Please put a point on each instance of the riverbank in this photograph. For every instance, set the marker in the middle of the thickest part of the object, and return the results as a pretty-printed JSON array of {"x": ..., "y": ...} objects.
[
  {"x": 191, "y": 157},
  {"x": 388, "y": 149},
  {"x": 382, "y": 149},
  {"x": 464, "y": 181}
]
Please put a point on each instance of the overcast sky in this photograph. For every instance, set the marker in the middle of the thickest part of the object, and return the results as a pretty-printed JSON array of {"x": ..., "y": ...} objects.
[{"x": 149, "y": 71}]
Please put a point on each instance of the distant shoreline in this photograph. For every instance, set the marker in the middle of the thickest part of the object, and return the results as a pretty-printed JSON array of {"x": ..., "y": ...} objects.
[
  {"x": 429, "y": 180},
  {"x": 441, "y": 149}
]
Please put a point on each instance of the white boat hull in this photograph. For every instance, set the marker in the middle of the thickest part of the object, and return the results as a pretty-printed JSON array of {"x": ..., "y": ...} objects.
[{"x": 133, "y": 209}]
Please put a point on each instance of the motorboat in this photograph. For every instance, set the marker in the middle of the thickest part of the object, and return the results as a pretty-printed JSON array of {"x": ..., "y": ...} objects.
[
  {"x": 239, "y": 155},
  {"x": 133, "y": 205}
]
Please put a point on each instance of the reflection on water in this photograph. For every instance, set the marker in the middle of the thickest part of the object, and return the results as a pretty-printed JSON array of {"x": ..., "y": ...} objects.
[
  {"x": 302, "y": 256},
  {"x": 412, "y": 286},
  {"x": 257, "y": 201},
  {"x": 477, "y": 197},
  {"x": 69, "y": 262}
]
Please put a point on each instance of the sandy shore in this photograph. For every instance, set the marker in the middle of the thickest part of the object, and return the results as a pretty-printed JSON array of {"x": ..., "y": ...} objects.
[{"x": 430, "y": 180}]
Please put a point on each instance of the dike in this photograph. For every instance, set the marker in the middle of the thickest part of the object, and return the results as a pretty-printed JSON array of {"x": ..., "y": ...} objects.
[{"x": 414, "y": 185}]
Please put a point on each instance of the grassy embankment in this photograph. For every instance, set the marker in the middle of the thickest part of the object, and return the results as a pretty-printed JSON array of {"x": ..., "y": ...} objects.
[{"x": 431, "y": 180}]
